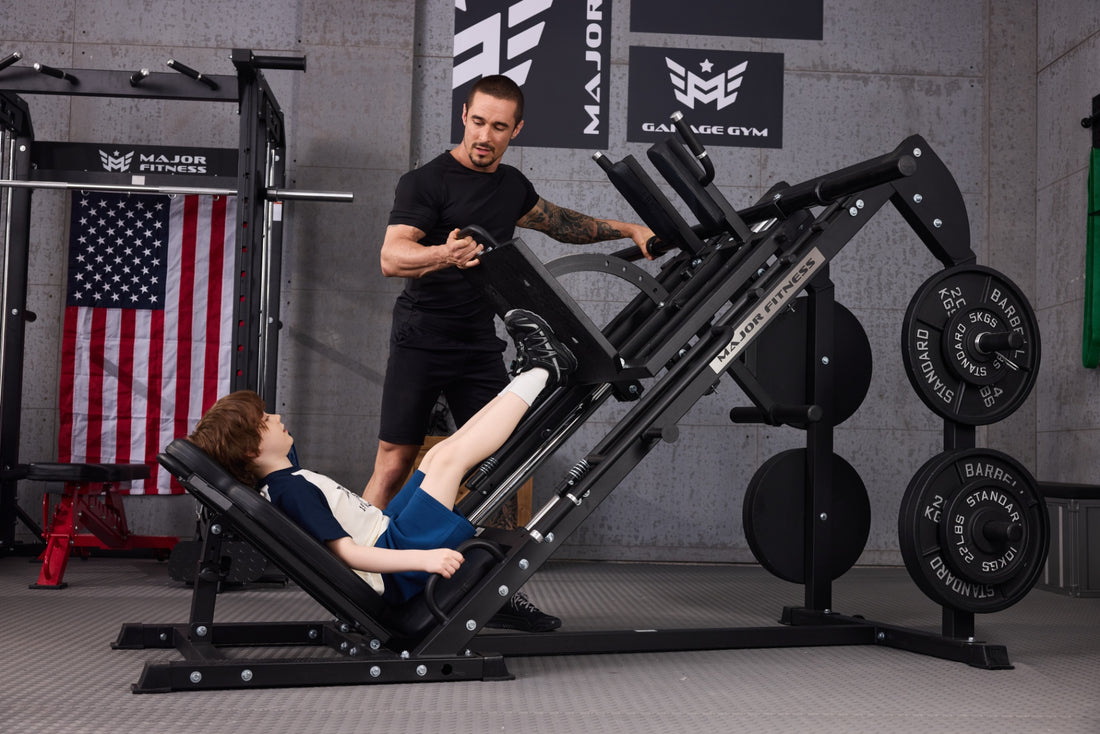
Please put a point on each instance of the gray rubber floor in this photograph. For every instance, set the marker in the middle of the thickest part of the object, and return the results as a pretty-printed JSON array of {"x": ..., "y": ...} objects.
[{"x": 58, "y": 672}]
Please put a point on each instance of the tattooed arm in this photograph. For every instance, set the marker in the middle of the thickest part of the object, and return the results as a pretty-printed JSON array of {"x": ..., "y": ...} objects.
[{"x": 566, "y": 225}]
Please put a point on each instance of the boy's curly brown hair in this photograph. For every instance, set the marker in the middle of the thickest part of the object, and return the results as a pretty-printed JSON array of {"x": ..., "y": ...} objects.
[{"x": 230, "y": 431}]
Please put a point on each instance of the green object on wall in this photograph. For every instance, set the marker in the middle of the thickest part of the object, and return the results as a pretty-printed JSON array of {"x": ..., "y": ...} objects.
[{"x": 1090, "y": 351}]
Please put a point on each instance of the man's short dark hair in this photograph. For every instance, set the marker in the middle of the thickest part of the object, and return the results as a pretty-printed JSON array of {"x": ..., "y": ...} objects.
[{"x": 501, "y": 87}]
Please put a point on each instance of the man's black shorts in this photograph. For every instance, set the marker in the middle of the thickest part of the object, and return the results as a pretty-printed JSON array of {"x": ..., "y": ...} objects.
[{"x": 416, "y": 377}]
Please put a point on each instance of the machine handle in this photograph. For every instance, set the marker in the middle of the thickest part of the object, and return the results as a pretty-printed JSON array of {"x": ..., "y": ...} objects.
[{"x": 694, "y": 146}]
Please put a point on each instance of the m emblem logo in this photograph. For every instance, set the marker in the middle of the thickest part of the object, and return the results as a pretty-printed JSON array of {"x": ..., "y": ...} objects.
[
  {"x": 116, "y": 161},
  {"x": 720, "y": 89}
]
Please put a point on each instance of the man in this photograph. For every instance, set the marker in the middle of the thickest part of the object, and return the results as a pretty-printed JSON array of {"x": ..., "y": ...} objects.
[{"x": 443, "y": 339}]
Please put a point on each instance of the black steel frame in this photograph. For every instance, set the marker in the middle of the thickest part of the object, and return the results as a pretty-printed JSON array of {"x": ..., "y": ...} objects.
[
  {"x": 686, "y": 328},
  {"x": 261, "y": 165}
]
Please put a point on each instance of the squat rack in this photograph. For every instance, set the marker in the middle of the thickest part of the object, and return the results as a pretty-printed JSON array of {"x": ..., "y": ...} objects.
[{"x": 258, "y": 180}]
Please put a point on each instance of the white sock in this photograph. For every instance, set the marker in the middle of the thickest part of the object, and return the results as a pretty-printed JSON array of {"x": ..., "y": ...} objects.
[{"x": 528, "y": 384}]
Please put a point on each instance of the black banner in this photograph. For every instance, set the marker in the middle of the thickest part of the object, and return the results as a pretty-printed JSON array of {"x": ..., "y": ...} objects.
[
  {"x": 728, "y": 97},
  {"x": 559, "y": 53},
  {"x": 744, "y": 18},
  {"x": 134, "y": 160}
]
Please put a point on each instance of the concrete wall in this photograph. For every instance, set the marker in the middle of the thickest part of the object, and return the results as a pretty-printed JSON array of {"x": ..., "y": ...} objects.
[
  {"x": 1067, "y": 427},
  {"x": 965, "y": 74}
]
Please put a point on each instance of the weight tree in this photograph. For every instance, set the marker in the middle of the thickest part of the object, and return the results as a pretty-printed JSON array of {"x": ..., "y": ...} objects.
[{"x": 257, "y": 184}]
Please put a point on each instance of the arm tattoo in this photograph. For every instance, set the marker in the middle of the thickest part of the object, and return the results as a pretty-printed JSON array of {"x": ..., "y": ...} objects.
[{"x": 566, "y": 225}]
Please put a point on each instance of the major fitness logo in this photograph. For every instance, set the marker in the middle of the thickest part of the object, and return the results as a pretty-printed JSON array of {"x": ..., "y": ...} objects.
[
  {"x": 728, "y": 98},
  {"x": 557, "y": 50},
  {"x": 134, "y": 159}
]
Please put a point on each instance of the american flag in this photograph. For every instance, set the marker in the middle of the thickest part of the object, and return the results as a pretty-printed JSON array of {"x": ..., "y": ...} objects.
[{"x": 147, "y": 341}]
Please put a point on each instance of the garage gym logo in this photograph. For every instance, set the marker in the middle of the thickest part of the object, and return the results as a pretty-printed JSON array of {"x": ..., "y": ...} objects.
[
  {"x": 558, "y": 52},
  {"x": 728, "y": 97}
]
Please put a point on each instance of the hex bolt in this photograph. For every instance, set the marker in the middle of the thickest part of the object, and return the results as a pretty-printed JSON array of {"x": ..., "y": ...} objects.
[
  {"x": 549, "y": 537},
  {"x": 216, "y": 529},
  {"x": 201, "y": 630},
  {"x": 422, "y": 670},
  {"x": 314, "y": 634},
  {"x": 163, "y": 637},
  {"x": 823, "y": 516},
  {"x": 246, "y": 675},
  {"x": 880, "y": 636},
  {"x": 353, "y": 651},
  {"x": 917, "y": 198},
  {"x": 916, "y": 152},
  {"x": 404, "y": 654},
  {"x": 937, "y": 223},
  {"x": 524, "y": 564},
  {"x": 852, "y": 211},
  {"x": 375, "y": 671},
  {"x": 344, "y": 645},
  {"x": 503, "y": 590},
  {"x": 375, "y": 645},
  {"x": 859, "y": 203},
  {"x": 195, "y": 677},
  {"x": 825, "y": 361},
  {"x": 471, "y": 625}
]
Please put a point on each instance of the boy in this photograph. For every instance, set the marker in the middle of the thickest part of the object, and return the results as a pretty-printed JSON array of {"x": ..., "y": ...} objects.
[{"x": 393, "y": 549}]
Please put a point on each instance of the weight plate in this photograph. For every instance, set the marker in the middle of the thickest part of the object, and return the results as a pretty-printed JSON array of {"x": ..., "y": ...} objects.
[
  {"x": 973, "y": 530},
  {"x": 778, "y": 360},
  {"x": 970, "y": 345},
  {"x": 774, "y": 510}
]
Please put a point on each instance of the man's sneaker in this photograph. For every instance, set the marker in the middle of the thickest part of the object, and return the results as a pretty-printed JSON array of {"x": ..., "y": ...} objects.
[
  {"x": 536, "y": 346},
  {"x": 518, "y": 613}
]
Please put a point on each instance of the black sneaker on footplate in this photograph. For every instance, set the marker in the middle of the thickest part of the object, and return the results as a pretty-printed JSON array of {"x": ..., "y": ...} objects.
[
  {"x": 536, "y": 346},
  {"x": 520, "y": 614}
]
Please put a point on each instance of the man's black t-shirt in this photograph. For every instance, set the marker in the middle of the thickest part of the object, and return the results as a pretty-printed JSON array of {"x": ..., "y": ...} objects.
[{"x": 440, "y": 309}]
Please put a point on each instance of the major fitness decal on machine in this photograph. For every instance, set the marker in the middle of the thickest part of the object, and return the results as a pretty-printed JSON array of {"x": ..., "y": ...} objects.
[
  {"x": 558, "y": 52},
  {"x": 734, "y": 97}
]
